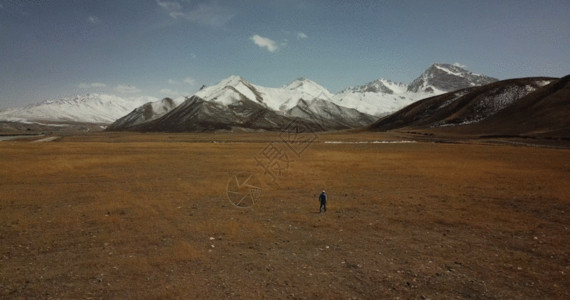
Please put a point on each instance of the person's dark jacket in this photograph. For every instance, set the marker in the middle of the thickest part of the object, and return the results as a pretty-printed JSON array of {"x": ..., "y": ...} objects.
[{"x": 323, "y": 198}]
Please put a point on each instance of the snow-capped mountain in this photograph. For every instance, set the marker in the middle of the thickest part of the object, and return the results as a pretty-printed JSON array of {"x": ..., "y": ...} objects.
[
  {"x": 234, "y": 102},
  {"x": 382, "y": 97},
  {"x": 90, "y": 108},
  {"x": 147, "y": 112}
]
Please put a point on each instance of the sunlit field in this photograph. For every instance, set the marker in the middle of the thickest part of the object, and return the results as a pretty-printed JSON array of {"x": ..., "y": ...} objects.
[{"x": 132, "y": 216}]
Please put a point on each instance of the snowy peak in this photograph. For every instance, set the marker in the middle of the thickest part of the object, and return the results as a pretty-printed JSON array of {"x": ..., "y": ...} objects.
[
  {"x": 230, "y": 91},
  {"x": 446, "y": 78},
  {"x": 304, "y": 84},
  {"x": 308, "y": 89},
  {"x": 232, "y": 80},
  {"x": 452, "y": 69},
  {"x": 234, "y": 90}
]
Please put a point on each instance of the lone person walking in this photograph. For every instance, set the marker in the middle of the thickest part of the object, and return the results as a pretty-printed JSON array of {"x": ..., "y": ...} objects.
[{"x": 323, "y": 200}]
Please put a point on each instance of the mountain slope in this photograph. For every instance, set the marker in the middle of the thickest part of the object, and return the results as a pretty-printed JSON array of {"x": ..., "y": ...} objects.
[
  {"x": 147, "y": 112},
  {"x": 525, "y": 106},
  {"x": 329, "y": 115},
  {"x": 197, "y": 114},
  {"x": 194, "y": 114}
]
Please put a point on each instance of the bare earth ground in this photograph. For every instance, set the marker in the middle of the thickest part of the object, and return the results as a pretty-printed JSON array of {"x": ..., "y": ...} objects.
[{"x": 133, "y": 216}]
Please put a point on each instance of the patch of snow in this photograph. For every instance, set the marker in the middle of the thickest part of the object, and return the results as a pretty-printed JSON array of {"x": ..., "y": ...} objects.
[{"x": 542, "y": 83}]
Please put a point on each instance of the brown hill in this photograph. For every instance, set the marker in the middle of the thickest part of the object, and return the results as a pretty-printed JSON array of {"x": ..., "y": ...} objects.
[{"x": 525, "y": 107}]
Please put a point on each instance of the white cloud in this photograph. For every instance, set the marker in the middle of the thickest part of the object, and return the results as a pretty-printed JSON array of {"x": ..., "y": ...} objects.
[
  {"x": 457, "y": 64},
  {"x": 172, "y": 81},
  {"x": 209, "y": 13},
  {"x": 91, "y": 85},
  {"x": 190, "y": 80},
  {"x": 301, "y": 36},
  {"x": 264, "y": 42},
  {"x": 127, "y": 89},
  {"x": 193, "y": 56},
  {"x": 93, "y": 20}
]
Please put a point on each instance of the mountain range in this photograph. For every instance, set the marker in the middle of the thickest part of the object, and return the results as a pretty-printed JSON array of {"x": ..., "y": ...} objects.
[
  {"x": 235, "y": 102},
  {"x": 477, "y": 106},
  {"x": 242, "y": 104},
  {"x": 353, "y": 107}
]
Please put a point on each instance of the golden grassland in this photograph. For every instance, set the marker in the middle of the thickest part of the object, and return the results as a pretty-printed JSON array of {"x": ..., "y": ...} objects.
[{"x": 131, "y": 216}]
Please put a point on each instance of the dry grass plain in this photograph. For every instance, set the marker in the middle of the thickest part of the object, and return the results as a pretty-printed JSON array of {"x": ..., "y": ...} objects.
[{"x": 145, "y": 216}]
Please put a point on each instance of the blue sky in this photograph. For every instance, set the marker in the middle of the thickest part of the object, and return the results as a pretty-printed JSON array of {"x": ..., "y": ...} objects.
[{"x": 51, "y": 49}]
